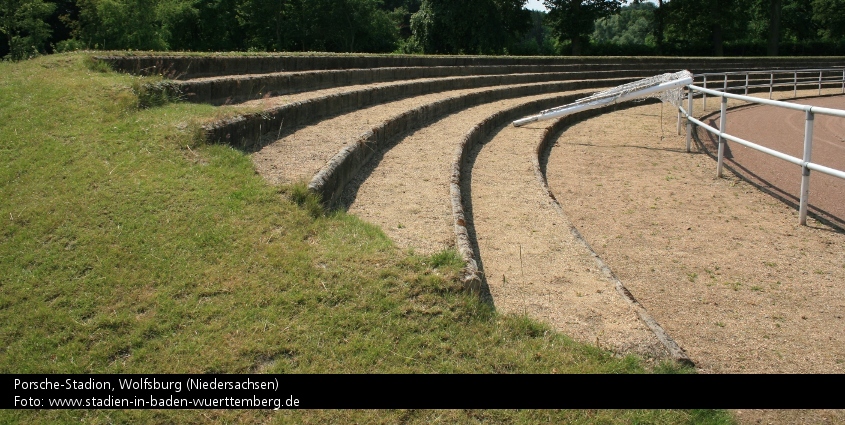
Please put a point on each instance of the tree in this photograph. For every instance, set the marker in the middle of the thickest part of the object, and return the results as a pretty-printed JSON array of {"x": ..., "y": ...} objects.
[
  {"x": 829, "y": 15},
  {"x": 573, "y": 19},
  {"x": 632, "y": 25},
  {"x": 201, "y": 25},
  {"x": 659, "y": 25},
  {"x": 797, "y": 21},
  {"x": 363, "y": 26},
  {"x": 470, "y": 26},
  {"x": 23, "y": 24},
  {"x": 702, "y": 22},
  {"x": 123, "y": 24},
  {"x": 318, "y": 25},
  {"x": 775, "y": 9}
]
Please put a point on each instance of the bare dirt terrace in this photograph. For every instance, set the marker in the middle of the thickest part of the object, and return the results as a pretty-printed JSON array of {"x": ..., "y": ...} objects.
[
  {"x": 719, "y": 267},
  {"x": 724, "y": 267}
]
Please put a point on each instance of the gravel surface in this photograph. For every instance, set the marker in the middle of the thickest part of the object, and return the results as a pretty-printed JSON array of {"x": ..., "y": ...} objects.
[
  {"x": 725, "y": 268},
  {"x": 722, "y": 266},
  {"x": 301, "y": 151},
  {"x": 532, "y": 262},
  {"x": 405, "y": 190}
]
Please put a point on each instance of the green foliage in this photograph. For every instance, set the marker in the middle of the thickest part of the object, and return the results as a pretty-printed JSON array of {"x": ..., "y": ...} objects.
[
  {"x": 796, "y": 21},
  {"x": 593, "y": 27},
  {"x": 318, "y": 25},
  {"x": 829, "y": 15},
  {"x": 22, "y": 24},
  {"x": 574, "y": 20},
  {"x": 123, "y": 24},
  {"x": 697, "y": 22},
  {"x": 69, "y": 45},
  {"x": 537, "y": 40},
  {"x": 156, "y": 93},
  {"x": 632, "y": 25},
  {"x": 300, "y": 195},
  {"x": 468, "y": 27}
]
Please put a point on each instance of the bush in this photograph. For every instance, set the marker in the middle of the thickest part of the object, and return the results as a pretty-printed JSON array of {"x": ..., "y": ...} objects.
[
  {"x": 158, "y": 93},
  {"x": 70, "y": 45}
]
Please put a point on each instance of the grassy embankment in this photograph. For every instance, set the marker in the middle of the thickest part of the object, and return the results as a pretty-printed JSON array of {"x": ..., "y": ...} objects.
[{"x": 128, "y": 247}]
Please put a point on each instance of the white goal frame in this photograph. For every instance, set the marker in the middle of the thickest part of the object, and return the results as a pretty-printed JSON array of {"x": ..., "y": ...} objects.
[{"x": 666, "y": 87}]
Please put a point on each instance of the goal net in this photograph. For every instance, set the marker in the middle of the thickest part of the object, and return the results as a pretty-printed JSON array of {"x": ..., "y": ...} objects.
[{"x": 667, "y": 87}]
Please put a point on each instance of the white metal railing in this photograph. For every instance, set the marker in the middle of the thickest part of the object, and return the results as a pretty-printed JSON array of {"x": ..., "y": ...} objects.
[
  {"x": 809, "y": 111},
  {"x": 754, "y": 79}
]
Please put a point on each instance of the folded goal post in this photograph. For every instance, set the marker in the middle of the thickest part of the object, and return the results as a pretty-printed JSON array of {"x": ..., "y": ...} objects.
[{"x": 667, "y": 87}]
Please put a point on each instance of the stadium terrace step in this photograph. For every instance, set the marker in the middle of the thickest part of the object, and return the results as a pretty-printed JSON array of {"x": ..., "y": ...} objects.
[
  {"x": 247, "y": 131},
  {"x": 220, "y": 91},
  {"x": 203, "y": 65}
]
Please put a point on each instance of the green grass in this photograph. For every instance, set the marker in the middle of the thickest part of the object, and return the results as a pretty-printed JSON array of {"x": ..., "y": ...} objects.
[{"x": 126, "y": 247}]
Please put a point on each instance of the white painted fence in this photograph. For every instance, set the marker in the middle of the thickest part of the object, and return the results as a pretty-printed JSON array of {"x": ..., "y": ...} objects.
[{"x": 809, "y": 111}]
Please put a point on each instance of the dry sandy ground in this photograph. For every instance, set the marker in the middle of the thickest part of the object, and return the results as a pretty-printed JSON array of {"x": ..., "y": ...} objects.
[
  {"x": 300, "y": 152},
  {"x": 532, "y": 262},
  {"x": 724, "y": 268},
  {"x": 405, "y": 190}
]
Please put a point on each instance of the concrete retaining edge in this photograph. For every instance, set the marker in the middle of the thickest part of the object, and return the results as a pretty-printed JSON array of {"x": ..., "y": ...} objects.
[
  {"x": 243, "y": 88},
  {"x": 246, "y": 131},
  {"x": 332, "y": 179},
  {"x": 472, "y": 275},
  {"x": 186, "y": 67},
  {"x": 543, "y": 148}
]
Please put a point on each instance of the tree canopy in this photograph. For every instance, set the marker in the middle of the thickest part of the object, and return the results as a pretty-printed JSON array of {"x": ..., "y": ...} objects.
[
  {"x": 669, "y": 27},
  {"x": 574, "y": 20}
]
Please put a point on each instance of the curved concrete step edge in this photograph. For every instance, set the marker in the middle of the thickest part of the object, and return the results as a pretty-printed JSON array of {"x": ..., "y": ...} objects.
[
  {"x": 550, "y": 135},
  {"x": 246, "y": 131},
  {"x": 177, "y": 66},
  {"x": 332, "y": 179},
  {"x": 241, "y": 89},
  {"x": 472, "y": 279}
]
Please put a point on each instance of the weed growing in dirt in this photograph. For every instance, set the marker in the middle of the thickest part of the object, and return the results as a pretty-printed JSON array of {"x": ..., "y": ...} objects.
[{"x": 300, "y": 195}]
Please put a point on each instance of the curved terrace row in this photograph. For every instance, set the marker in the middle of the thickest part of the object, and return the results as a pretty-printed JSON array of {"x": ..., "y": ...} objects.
[{"x": 423, "y": 153}]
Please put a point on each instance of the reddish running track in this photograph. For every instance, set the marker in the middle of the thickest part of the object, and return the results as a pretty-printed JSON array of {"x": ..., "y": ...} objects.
[{"x": 783, "y": 130}]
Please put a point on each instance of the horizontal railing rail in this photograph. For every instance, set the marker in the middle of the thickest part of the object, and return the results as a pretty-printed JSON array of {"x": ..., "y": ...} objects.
[
  {"x": 771, "y": 78},
  {"x": 805, "y": 161}
]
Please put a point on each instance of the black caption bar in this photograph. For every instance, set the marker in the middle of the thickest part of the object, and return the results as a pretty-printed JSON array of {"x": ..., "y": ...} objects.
[{"x": 421, "y": 391}]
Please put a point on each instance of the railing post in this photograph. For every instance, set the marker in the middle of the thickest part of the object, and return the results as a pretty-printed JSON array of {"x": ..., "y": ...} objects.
[
  {"x": 725, "y": 90},
  {"x": 746, "y": 84},
  {"x": 722, "y": 121},
  {"x": 795, "y": 85},
  {"x": 805, "y": 172},
  {"x": 820, "y": 83},
  {"x": 689, "y": 115},
  {"x": 771, "y": 82},
  {"x": 704, "y": 95},
  {"x": 679, "y": 121},
  {"x": 843, "y": 81}
]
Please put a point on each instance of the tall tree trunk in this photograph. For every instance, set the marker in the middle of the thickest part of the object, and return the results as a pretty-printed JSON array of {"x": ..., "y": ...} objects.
[
  {"x": 716, "y": 26},
  {"x": 718, "y": 45},
  {"x": 658, "y": 25},
  {"x": 775, "y": 7},
  {"x": 279, "y": 18},
  {"x": 576, "y": 46}
]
